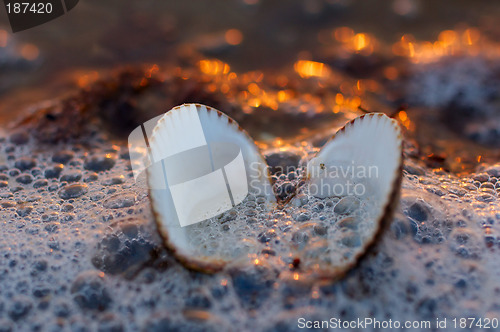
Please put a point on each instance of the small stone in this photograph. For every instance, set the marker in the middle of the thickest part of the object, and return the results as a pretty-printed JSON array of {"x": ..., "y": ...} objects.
[
  {"x": 302, "y": 215},
  {"x": 253, "y": 285},
  {"x": 7, "y": 205},
  {"x": 91, "y": 177},
  {"x": 250, "y": 212},
  {"x": 73, "y": 191},
  {"x": 487, "y": 185},
  {"x": 67, "y": 208},
  {"x": 486, "y": 198},
  {"x": 89, "y": 291},
  {"x": 114, "y": 180},
  {"x": 266, "y": 236},
  {"x": 72, "y": 176},
  {"x": 51, "y": 228},
  {"x": 40, "y": 292},
  {"x": 14, "y": 172},
  {"x": 494, "y": 171},
  {"x": 481, "y": 177},
  {"x": 24, "y": 179},
  {"x": 99, "y": 163},
  {"x": 63, "y": 157},
  {"x": 413, "y": 169},
  {"x": 25, "y": 163},
  {"x": 19, "y": 308},
  {"x": 283, "y": 162},
  {"x": 317, "y": 207},
  {"x": 24, "y": 211},
  {"x": 119, "y": 201},
  {"x": 349, "y": 222},
  {"x": 346, "y": 205},
  {"x": 36, "y": 171},
  {"x": 15, "y": 189},
  {"x": 54, "y": 171},
  {"x": 19, "y": 138},
  {"x": 320, "y": 229},
  {"x": 418, "y": 212},
  {"x": 40, "y": 183},
  {"x": 285, "y": 190}
]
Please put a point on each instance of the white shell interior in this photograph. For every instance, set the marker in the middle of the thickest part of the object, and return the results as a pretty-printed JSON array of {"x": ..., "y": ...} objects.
[
  {"x": 359, "y": 168},
  {"x": 203, "y": 165},
  {"x": 366, "y": 153}
]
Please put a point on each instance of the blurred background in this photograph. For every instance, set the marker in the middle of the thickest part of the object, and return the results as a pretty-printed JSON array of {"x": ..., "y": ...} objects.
[
  {"x": 248, "y": 34},
  {"x": 384, "y": 41}
]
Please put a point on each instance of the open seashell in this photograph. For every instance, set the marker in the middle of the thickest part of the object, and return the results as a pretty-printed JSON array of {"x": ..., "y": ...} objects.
[
  {"x": 203, "y": 168},
  {"x": 212, "y": 198},
  {"x": 359, "y": 173}
]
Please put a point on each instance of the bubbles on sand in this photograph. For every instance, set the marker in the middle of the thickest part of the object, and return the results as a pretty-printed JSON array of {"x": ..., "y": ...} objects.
[{"x": 86, "y": 253}]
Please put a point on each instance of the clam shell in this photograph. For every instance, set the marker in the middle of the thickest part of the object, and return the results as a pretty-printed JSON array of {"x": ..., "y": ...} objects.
[
  {"x": 202, "y": 166},
  {"x": 367, "y": 153},
  {"x": 209, "y": 221}
]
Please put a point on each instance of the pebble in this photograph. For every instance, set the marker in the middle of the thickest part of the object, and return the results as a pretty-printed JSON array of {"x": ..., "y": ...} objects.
[
  {"x": 418, "y": 212},
  {"x": 73, "y": 191},
  {"x": 481, "y": 177},
  {"x": 283, "y": 162},
  {"x": 72, "y": 176},
  {"x": 349, "y": 222},
  {"x": 266, "y": 236},
  {"x": 493, "y": 171},
  {"x": 346, "y": 205},
  {"x": 24, "y": 179},
  {"x": 302, "y": 215},
  {"x": 63, "y": 156},
  {"x": 19, "y": 138},
  {"x": 91, "y": 177},
  {"x": 486, "y": 198},
  {"x": 114, "y": 181},
  {"x": 25, "y": 163},
  {"x": 19, "y": 307},
  {"x": 24, "y": 210},
  {"x": 253, "y": 285},
  {"x": 119, "y": 201},
  {"x": 285, "y": 190},
  {"x": 99, "y": 163},
  {"x": 90, "y": 292},
  {"x": 14, "y": 172},
  {"x": 40, "y": 183},
  {"x": 54, "y": 171}
]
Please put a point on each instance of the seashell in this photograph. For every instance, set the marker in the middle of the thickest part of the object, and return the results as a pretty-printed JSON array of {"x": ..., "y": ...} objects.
[
  {"x": 203, "y": 166},
  {"x": 212, "y": 200},
  {"x": 366, "y": 156}
]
